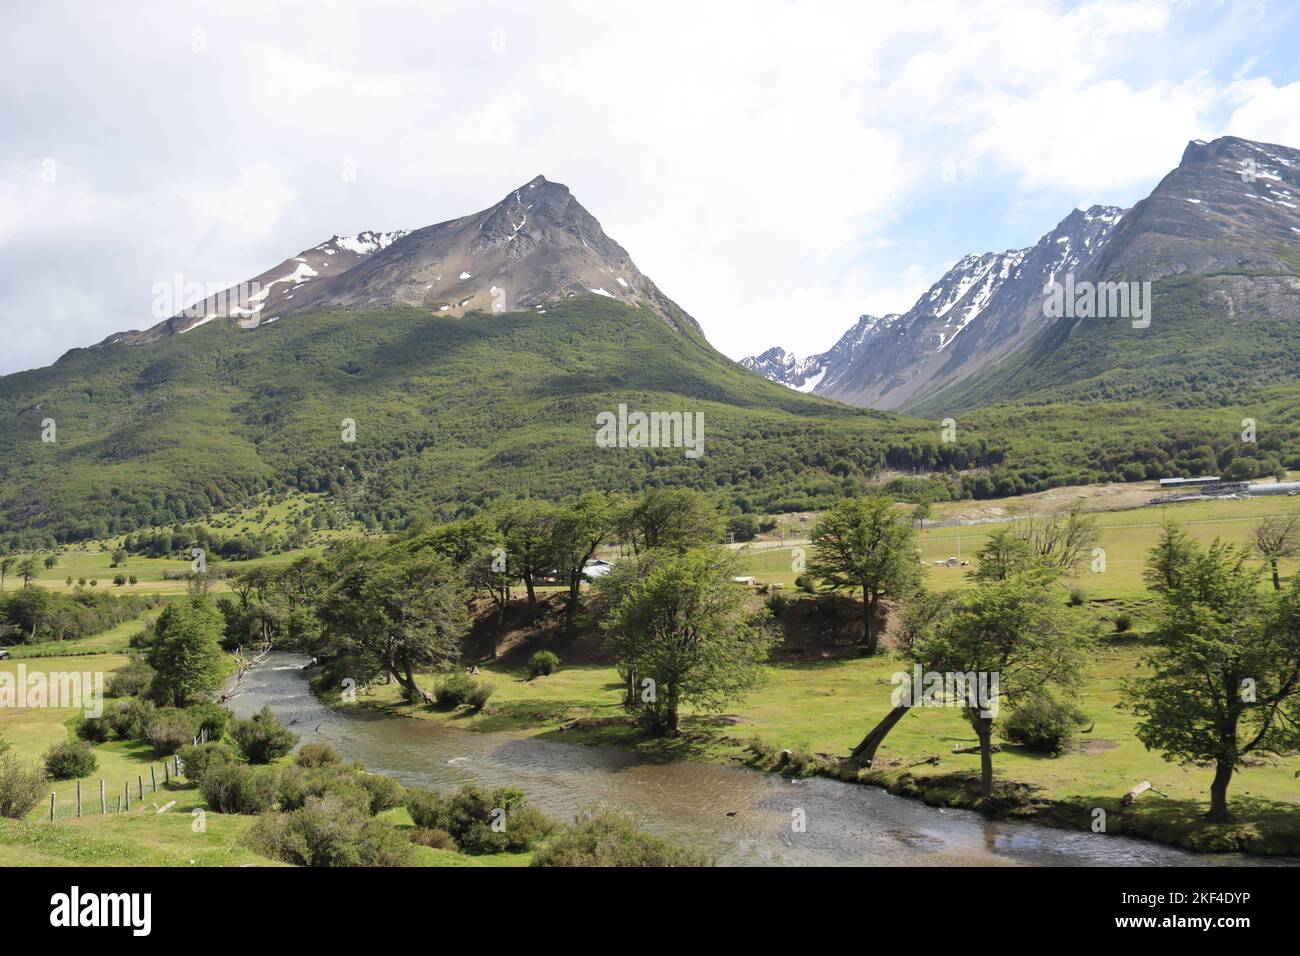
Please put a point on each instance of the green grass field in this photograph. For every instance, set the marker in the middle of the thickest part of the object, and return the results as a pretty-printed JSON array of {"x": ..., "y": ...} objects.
[
  {"x": 815, "y": 707},
  {"x": 1127, "y": 536}
]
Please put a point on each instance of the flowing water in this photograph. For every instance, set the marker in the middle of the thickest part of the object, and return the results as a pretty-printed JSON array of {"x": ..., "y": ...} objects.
[{"x": 742, "y": 816}]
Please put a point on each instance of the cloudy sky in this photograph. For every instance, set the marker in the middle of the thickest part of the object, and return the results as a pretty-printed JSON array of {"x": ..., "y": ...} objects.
[{"x": 778, "y": 168}]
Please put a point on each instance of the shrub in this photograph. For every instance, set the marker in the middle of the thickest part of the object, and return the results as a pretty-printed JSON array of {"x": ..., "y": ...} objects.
[
  {"x": 612, "y": 839},
  {"x": 1077, "y": 597},
  {"x": 1123, "y": 623},
  {"x": 237, "y": 788},
  {"x": 212, "y": 719},
  {"x": 130, "y": 680},
  {"x": 543, "y": 664},
  {"x": 805, "y": 582},
  {"x": 497, "y": 822},
  {"x": 330, "y": 831},
  {"x": 169, "y": 731},
  {"x": 297, "y": 785},
  {"x": 316, "y": 755},
  {"x": 96, "y": 730},
  {"x": 21, "y": 788},
  {"x": 454, "y": 690},
  {"x": 198, "y": 759},
  {"x": 262, "y": 737},
  {"x": 129, "y": 717},
  {"x": 479, "y": 696},
  {"x": 433, "y": 837},
  {"x": 385, "y": 793},
  {"x": 69, "y": 760},
  {"x": 1043, "y": 724}
]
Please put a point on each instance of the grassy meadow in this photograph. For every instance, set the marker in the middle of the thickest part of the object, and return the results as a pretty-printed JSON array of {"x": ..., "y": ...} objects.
[{"x": 817, "y": 709}]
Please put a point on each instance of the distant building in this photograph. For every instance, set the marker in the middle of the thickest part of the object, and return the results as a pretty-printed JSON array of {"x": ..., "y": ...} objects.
[
  {"x": 1180, "y": 482},
  {"x": 596, "y": 568},
  {"x": 747, "y": 579}
]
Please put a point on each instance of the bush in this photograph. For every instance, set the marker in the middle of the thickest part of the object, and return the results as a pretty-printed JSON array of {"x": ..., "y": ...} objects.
[
  {"x": 130, "y": 680},
  {"x": 169, "y": 731},
  {"x": 1123, "y": 623},
  {"x": 96, "y": 730},
  {"x": 1077, "y": 597},
  {"x": 198, "y": 759},
  {"x": 237, "y": 788},
  {"x": 129, "y": 717},
  {"x": 805, "y": 582},
  {"x": 209, "y": 719},
  {"x": 612, "y": 839},
  {"x": 435, "y": 838},
  {"x": 316, "y": 755},
  {"x": 543, "y": 664},
  {"x": 454, "y": 690},
  {"x": 21, "y": 788},
  {"x": 479, "y": 696},
  {"x": 1043, "y": 724},
  {"x": 385, "y": 793},
  {"x": 70, "y": 760},
  {"x": 297, "y": 785},
  {"x": 499, "y": 822},
  {"x": 330, "y": 831},
  {"x": 262, "y": 737}
]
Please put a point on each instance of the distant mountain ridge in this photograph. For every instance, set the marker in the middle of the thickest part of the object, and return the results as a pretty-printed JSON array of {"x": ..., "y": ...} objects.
[
  {"x": 982, "y": 309},
  {"x": 1227, "y": 214}
]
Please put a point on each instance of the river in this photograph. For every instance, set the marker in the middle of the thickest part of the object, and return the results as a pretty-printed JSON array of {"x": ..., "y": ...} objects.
[{"x": 742, "y": 816}]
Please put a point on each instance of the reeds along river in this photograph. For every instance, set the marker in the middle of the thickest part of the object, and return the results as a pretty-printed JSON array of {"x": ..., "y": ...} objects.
[{"x": 742, "y": 816}]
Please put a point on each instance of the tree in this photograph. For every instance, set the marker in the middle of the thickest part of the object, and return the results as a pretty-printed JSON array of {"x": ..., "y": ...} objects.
[
  {"x": 1061, "y": 539},
  {"x": 1225, "y": 670},
  {"x": 30, "y": 609},
  {"x": 27, "y": 569},
  {"x": 118, "y": 557},
  {"x": 6, "y": 565},
  {"x": 1277, "y": 538},
  {"x": 676, "y": 518},
  {"x": 866, "y": 544},
  {"x": 527, "y": 525},
  {"x": 50, "y": 561},
  {"x": 578, "y": 530},
  {"x": 1013, "y": 631},
  {"x": 1168, "y": 560},
  {"x": 186, "y": 653},
  {"x": 685, "y": 627},
  {"x": 921, "y": 514},
  {"x": 1004, "y": 554},
  {"x": 396, "y": 605}
]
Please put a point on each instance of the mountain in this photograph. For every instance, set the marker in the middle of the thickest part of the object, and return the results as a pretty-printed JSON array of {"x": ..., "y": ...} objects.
[
  {"x": 267, "y": 296},
  {"x": 1219, "y": 239},
  {"x": 805, "y": 375},
  {"x": 449, "y": 407},
  {"x": 982, "y": 309},
  {"x": 536, "y": 247}
]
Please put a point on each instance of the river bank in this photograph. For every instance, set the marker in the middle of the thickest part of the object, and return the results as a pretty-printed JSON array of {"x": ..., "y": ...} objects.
[{"x": 819, "y": 710}]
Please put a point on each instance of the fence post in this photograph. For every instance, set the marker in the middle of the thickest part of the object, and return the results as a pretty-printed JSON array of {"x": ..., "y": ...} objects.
[
  {"x": 167, "y": 775},
  {"x": 51, "y": 806},
  {"x": 119, "y": 804},
  {"x": 103, "y": 801},
  {"x": 126, "y": 791},
  {"x": 78, "y": 799},
  {"x": 177, "y": 767},
  {"x": 140, "y": 780},
  {"x": 153, "y": 778}
]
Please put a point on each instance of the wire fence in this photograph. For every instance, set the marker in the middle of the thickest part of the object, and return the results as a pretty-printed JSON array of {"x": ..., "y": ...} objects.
[{"x": 93, "y": 797}]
